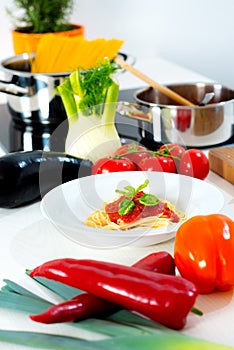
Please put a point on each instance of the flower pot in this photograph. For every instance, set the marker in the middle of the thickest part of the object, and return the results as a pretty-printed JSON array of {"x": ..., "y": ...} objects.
[{"x": 27, "y": 42}]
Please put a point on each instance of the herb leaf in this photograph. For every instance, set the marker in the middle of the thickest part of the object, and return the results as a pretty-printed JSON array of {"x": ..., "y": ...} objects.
[
  {"x": 93, "y": 85},
  {"x": 139, "y": 188},
  {"x": 149, "y": 200},
  {"x": 129, "y": 191},
  {"x": 126, "y": 206}
]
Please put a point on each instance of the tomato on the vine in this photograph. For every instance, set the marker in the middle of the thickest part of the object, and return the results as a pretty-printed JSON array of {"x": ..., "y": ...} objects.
[
  {"x": 194, "y": 163},
  {"x": 133, "y": 152},
  {"x": 175, "y": 150},
  {"x": 158, "y": 163},
  {"x": 110, "y": 165}
]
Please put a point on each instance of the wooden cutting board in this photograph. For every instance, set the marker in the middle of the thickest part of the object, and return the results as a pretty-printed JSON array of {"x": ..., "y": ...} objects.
[{"x": 222, "y": 162}]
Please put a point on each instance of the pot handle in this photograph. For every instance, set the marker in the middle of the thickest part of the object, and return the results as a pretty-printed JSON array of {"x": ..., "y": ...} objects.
[
  {"x": 144, "y": 114},
  {"x": 13, "y": 89},
  {"x": 134, "y": 111}
]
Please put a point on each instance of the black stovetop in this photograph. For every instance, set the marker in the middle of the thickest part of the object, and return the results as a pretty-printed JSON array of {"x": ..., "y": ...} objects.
[{"x": 11, "y": 136}]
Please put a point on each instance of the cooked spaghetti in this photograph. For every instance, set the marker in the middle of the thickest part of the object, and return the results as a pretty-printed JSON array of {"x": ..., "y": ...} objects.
[{"x": 134, "y": 210}]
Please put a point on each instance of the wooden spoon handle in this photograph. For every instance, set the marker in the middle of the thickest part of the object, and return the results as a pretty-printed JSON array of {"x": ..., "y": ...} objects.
[{"x": 166, "y": 91}]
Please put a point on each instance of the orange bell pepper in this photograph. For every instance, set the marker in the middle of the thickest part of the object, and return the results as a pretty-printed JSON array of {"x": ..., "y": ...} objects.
[{"x": 204, "y": 252}]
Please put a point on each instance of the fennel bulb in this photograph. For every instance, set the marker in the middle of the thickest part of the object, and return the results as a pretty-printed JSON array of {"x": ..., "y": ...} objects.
[
  {"x": 90, "y": 99},
  {"x": 91, "y": 137}
]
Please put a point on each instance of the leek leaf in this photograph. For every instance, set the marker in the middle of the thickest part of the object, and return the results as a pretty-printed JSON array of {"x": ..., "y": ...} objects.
[
  {"x": 43, "y": 340},
  {"x": 23, "y": 302},
  {"x": 33, "y": 304},
  {"x": 62, "y": 290},
  {"x": 14, "y": 287},
  {"x": 149, "y": 342}
]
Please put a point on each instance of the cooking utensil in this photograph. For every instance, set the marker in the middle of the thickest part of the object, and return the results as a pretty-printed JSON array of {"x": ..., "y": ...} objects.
[
  {"x": 207, "y": 98},
  {"x": 160, "y": 120},
  {"x": 31, "y": 98},
  {"x": 165, "y": 90}
]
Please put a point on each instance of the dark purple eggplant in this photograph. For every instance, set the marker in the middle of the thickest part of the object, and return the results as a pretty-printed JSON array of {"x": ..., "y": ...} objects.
[{"x": 27, "y": 176}]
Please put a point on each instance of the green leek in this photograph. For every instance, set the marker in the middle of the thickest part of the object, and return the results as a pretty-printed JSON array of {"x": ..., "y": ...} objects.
[
  {"x": 90, "y": 98},
  {"x": 123, "y": 330}
]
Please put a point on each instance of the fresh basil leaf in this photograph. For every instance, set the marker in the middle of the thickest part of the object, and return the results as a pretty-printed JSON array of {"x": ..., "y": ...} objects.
[
  {"x": 126, "y": 206},
  {"x": 129, "y": 191},
  {"x": 149, "y": 200},
  {"x": 139, "y": 188}
]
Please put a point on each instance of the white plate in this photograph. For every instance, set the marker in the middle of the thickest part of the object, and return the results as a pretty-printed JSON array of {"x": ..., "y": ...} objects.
[{"x": 68, "y": 205}]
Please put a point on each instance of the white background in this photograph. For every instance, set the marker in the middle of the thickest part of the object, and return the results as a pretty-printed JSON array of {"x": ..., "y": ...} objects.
[{"x": 197, "y": 34}]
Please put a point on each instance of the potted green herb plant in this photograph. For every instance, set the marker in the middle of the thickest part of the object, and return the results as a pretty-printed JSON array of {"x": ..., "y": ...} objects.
[{"x": 35, "y": 18}]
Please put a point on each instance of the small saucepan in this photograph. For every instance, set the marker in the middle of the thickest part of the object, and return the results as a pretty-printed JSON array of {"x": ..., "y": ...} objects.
[
  {"x": 161, "y": 120},
  {"x": 31, "y": 97}
]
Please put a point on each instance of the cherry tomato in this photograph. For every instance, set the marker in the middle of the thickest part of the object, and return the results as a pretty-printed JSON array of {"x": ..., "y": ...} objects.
[
  {"x": 158, "y": 163},
  {"x": 110, "y": 165},
  {"x": 140, "y": 152},
  {"x": 194, "y": 163},
  {"x": 175, "y": 150}
]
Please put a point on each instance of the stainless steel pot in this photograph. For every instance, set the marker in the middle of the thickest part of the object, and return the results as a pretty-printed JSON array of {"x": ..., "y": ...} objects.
[
  {"x": 31, "y": 97},
  {"x": 160, "y": 120}
]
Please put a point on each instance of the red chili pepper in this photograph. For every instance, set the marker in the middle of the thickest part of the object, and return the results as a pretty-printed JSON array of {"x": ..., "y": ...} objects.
[
  {"x": 87, "y": 305},
  {"x": 161, "y": 262},
  {"x": 162, "y": 298}
]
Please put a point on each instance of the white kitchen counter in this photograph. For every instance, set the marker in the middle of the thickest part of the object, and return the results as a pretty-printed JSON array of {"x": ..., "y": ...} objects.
[{"x": 27, "y": 240}]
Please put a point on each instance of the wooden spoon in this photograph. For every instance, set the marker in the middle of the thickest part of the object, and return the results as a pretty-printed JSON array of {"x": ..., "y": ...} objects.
[{"x": 166, "y": 91}]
